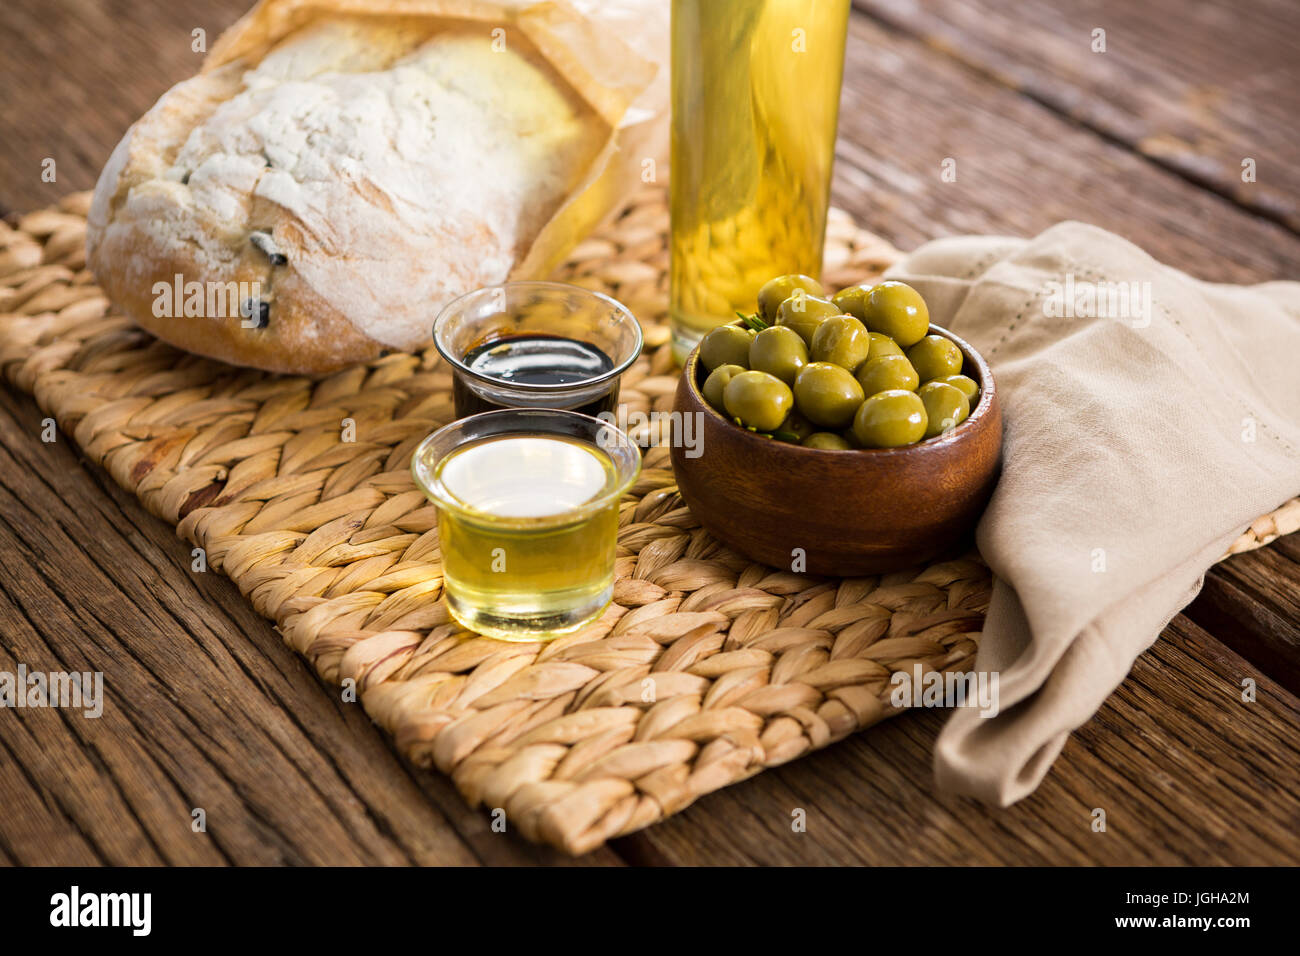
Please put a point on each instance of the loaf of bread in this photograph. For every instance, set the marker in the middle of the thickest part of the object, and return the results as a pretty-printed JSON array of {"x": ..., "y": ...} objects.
[{"x": 331, "y": 179}]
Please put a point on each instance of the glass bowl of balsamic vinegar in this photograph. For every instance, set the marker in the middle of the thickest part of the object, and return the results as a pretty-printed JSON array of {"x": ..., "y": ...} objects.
[{"x": 536, "y": 345}]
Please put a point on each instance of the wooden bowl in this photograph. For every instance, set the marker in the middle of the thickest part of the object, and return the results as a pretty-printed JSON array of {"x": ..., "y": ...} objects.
[{"x": 854, "y": 512}]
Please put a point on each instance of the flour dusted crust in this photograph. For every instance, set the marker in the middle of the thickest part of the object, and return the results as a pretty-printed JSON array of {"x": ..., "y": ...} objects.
[{"x": 362, "y": 171}]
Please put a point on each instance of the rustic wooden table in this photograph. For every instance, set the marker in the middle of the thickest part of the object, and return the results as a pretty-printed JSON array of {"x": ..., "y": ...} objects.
[{"x": 1147, "y": 138}]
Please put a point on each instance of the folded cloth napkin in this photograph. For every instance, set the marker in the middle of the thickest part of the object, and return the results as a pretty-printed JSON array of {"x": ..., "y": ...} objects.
[{"x": 1149, "y": 419}]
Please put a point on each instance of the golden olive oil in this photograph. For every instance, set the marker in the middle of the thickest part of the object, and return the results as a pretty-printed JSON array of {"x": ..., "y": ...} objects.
[
  {"x": 526, "y": 555},
  {"x": 755, "y": 101}
]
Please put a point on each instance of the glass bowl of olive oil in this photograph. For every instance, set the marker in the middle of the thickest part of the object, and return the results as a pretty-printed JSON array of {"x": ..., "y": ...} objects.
[
  {"x": 528, "y": 503},
  {"x": 536, "y": 345}
]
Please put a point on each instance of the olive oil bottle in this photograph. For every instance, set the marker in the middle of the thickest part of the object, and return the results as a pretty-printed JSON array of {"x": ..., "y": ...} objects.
[{"x": 755, "y": 102}]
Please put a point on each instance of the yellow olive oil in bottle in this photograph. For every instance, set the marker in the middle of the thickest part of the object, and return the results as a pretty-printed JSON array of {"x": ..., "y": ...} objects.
[{"x": 755, "y": 101}]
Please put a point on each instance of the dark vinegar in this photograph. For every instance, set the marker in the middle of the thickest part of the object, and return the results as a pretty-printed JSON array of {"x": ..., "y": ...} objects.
[{"x": 526, "y": 360}]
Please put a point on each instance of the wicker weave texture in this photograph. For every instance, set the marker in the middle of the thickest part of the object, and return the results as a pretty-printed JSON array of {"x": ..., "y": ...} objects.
[{"x": 707, "y": 669}]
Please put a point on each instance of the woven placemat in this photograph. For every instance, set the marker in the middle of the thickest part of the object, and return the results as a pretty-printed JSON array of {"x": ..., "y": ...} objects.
[{"x": 706, "y": 670}]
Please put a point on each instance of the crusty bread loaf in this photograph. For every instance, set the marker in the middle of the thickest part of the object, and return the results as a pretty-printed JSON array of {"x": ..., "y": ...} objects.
[{"x": 349, "y": 182}]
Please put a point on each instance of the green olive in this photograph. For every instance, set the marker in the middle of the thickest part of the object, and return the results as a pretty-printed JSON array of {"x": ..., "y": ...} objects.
[
  {"x": 969, "y": 387},
  {"x": 804, "y": 313},
  {"x": 890, "y": 419},
  {"x": 895, "y": 309},
  {"x": 850, "y": 299},
  {"x": 882, "y": 345},
  {"x": 717, "y": 381},
  {"x": 945, "y": 407},
  {"x": 934, "y": 357},
  {"x": 827, "y": 440},
  {"x": 842, "y": 340},
  {"x": 796, "y": 426},
  {"x": 779, "y": 351},
  {"x": 827, "y": 394},
  {"x": 725, "y": 345},
  {"x": 761, "y": 401},
  {"x": 887, "y": 372},
  {"x": 775, "y": 291}
]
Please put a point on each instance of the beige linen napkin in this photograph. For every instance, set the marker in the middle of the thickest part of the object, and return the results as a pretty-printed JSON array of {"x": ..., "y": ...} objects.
[{"x": 1141, "y": 437}]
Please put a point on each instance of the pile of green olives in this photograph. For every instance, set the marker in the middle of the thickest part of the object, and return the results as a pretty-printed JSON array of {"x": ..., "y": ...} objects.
[{"x": 859, "y": 369}]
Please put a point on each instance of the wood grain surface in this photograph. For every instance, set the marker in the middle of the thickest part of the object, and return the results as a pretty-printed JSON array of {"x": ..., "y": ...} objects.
[
  {"x": 209, "y": 710},
  {"x": 1196, "y": 88}
]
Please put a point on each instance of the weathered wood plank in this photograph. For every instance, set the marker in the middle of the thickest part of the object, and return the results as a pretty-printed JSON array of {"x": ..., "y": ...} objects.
[
  {"x": 1020, "y": 167},
  {"x": 1251, "y": 602},
  {"x": 77, "y": 73},
  {"x": 1198, "y": 89},
  {"x": 1186, "y": 772},
  {"x": 205, "y": 705}
]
